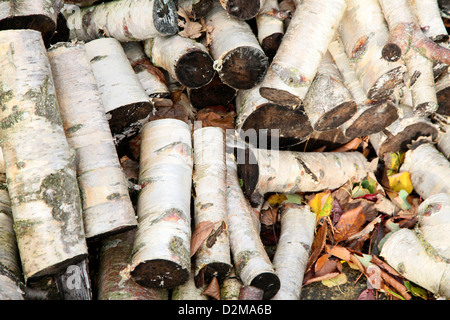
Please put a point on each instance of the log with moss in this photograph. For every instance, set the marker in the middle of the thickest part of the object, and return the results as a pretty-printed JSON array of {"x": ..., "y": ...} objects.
[
  {"x": 126, "y": 20},
  {"x": 161, "y": 250},
  {"x": 189, "y": 290},
  {"x": 42, "y": 181},
  {"x": 107, "y": 206}
]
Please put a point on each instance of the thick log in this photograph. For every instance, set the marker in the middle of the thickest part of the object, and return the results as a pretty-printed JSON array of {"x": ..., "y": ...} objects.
[
  {"x": 186, "y": 60},
  {"x": 243, "y": 9},
  {"x": 161, "y": 254},
  {"x": 290, "y": 75},
  {"x": 196, "y": 9},
  {"x": 42, "y": 182},
  {"x": 214, "y": 93},
  {"x": 239, "y": 58},
  {"x": 107, "y": 206},
  {"x": 331, "y": 139},
  {"x": 252, "y": 264},
  {"x": 126, "y": 20},
  {"x": 270, "y": 28},
  {"x": 210, "y": 203},
  {"x": 124, "y": 99}
]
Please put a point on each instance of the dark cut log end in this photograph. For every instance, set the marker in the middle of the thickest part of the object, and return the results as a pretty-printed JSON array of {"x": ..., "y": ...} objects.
[
  {"x": 39, "y": 22},
  {"x": 443, "y": 97},
  {"x": 270, "y": 44},
  {"x": 337, "y": 116},
  {"x": 165, "y": 17},
  {"x": 386, "y": 84},
  {"x": 391, "y": 52},
  {"x": 195, "y": 69},
  {"x": 248, "y": 171},
  {"x": 125, "y": 116},
  {"x": 281, "y": 97},
  {"x": 292, "y": 125},
  {"x": 269, "y": 282},
  {"x": 400, "y": 142},
  {"x": 119, "y": 230},
  {"x": 244, "y": 67},
  {"x": 160, "y": 273},
  {"x": 243, "y": 9},
  {"x": 214, "y": 93},
  {"x": 331, "y": 139},
  {"x": 62, "y": 33},
  {"x": 57, "y": 268},
  {"x": 376, "y": 118},
  {"x": 202, "y": 8},
  {"x": 216, "y": 269}
]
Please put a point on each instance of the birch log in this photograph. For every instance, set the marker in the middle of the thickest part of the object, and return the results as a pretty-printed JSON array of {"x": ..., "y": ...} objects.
[
  {"x": 252, "y": 265},
  {"x": 364, "y": 31},
  {"x": 39, "y": 15},
  {"x": 112, "y": 284},
  {"x": 239, "y": 58},
  {"x": 40, "y": 165},
  {"x": 107, "y": 206},
  {"x": 270, "y": 28},
  {"x": 161, "y": 251},
  {"x": 293, "y": 247},
  {"x": 189, "y": 290},
  {"x": 209, "y": 178},
  {"x": 401, "y": 133},
  {"x": 266, "y": 171},
  {"x": 186, "y": 60},
  {"x": 124, "y": 99},
  {"x": 243, "y": 9},
  {"x": 230, "y": 287},
  {"x": 214, "y": 93},
  {"x": 429, "y": 169},
  {"x": 308, "y": 35},
  {"x": 196, "y": 9},
  {"x": 125, "y": 20},
  {"x": 443, "y": 141},
  {"x": 81, "y": 3}
]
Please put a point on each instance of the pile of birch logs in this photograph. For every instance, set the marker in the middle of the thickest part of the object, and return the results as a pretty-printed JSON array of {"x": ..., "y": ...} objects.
[{"x": 84, "y": 83}]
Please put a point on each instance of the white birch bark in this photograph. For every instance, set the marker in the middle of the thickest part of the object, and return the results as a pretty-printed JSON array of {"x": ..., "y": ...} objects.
[
  {"x": 242, "y": 9},
  {"x": 308, "y": 36},
  {"x": 125, "y": 20},
  {"x": 107, "y": 206},
  {"x": 252, "y": 264},
  {"x": 9, "y": 290},
  {"x": 161, "y": 254},
  {"x": 40, "y": 165},
  {"x": 230, "y": 287},
  {"x": 189, "y": 290},
  {"x": 270, "y": 28},
  {"x": 293, "y": 248}
]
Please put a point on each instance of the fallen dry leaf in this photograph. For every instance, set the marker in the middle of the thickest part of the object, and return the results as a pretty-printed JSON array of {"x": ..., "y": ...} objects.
[
  {"x": 201, "y": 233},
  {"x": 317, "y": 245},
  {"x": 191, "y": 29},
  {"x": 352, "y": 145},
  {"x": 349, "y": 224},
  {"x": 213, "y": 289},
  {"x": 373, "y": 273}
]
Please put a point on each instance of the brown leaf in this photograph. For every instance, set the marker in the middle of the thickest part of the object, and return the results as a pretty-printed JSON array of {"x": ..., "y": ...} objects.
[
  {"x": 214, "y": 235},
  {"x": 317, "y": 245},
  {"x": 339, "y": 252},
  {"x": 373, "y": 273},
  {"x": 320, "y": 278},
  {"x": 352, "y": 145},
  {"x": 324, "y": 265},
  {"x": 213, "y": 289},
  {"x": 269, "y": 216},
  {"x": 367, "y": 294},
  {"x": 191, "y": 29},
  {"x": 349, "y": 224},
  {"x": 215, "y": 117},
  {"x": 201, "y": 233}
]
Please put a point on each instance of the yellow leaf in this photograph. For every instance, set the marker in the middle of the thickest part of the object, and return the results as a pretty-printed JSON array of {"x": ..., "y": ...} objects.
[
  {"x": 401, "y": 181},
  {"x": 321, "y": 204},
  {"x": 276, "y": 199},
  {"x": 338, "y": 280}
]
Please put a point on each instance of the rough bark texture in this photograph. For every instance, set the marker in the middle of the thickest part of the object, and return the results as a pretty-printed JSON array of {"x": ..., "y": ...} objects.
[
  {"x": 9, "y": 290},
  {"x": 126, "y": 20},
  {"x": 230, "y": 287},
  {"x": 41, "y": 181},
  {"x": 161, "y": 251},
  {"x": 107, "y": 206},
  {"x": 243, "y": 9}
]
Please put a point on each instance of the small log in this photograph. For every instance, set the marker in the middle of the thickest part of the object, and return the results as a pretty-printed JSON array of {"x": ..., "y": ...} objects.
[
  {"x": 126, "y": 20},
  {"x": 297, "y": 234},
  {"x": 443, "y": 141},
  {"x": 124, "y": 99},
  {"x": 429, "y": 169},
  {"x": 107, "y": 206},
  {"x": 266, "y": 171},
  {"x": 363, "y": 31},
  {"x": 239, "y": 58},
  {"x": 39, "y": 15},
  {"x": 42, "y": 182},
  {"x": 290, "y": 75},
  {"x": 270, "y": 28},
  {"x": 212, "y": 259},
  {"x": 196, "y": 9},
  {"x": 113, "y": 282},
  {"x": 242, "y": 9},
  {"x": 252, "y": 264},
  {"x": 402, "y": 132},
  {"x": 231, "y": 287},
  {"x": 328, "y": 103},
  {"x": 186, "y": 60},
  {"x": 214, "y": 93},
  {"x": 265, "y": 122},
  {"x": 161, "y": 251}
]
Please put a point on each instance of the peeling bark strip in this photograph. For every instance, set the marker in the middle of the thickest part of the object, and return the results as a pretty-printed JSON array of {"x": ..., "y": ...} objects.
[
  {"x": 304, "y": 44},
  {"x": 257, "y": 115},
  {"x": 42, "y": 182},
  {"x": 187, "y": 60},
  {"x": 401, "y": 133},
  {"x": 211, "y": 201},
  {"x": 252, "y": 264},
  {"x": 122, "y": 94},
  {"x": 297, "y": 235},
  {"x": 39, "y": 15},
  {"x": 363, "y": 31},
  {"x": 113, "y": 283},
  {"x": 239, "y": 58},
  {"x": 289, "y": 172},
  {"x": 270, "y": 27},
  {"x": 429, "y": 169},
  {"x": 242, "y": 9},
  {"x": 161, "y": 250},
  {"x": 107, "y": 206},
  {"x": 125, "y": 20},
  {"x": 196, "y": 9},
  {"x": 328, "y": 102}
]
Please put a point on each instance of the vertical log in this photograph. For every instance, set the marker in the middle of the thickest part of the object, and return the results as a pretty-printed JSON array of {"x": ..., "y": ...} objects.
[
  {"x": 196, "y": 9},
  {"x": 161, "y": 251},
  {"x": 242, "y": 9},
  {"x": 107, "y": 206},
  {"x": 270, "y": 28},
  {"x": 42, "y": 181}
]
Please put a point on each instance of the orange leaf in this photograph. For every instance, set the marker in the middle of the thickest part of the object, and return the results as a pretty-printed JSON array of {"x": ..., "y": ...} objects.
[
  {"x": 339, "y": 252},
  {"x": 213, "y": 289},
  {"x": 349, "y": 224},
  {"x": 352, "y": 145}
]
